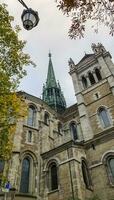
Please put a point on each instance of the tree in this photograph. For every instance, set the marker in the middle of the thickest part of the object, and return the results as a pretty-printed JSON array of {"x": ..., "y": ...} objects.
[
  {"x": 81, "y": 11},
  {"x": 12, "y": 68}
]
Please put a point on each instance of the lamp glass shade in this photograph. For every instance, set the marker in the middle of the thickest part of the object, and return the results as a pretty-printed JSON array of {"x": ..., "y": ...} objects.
[{"x": 29, "y": 18}]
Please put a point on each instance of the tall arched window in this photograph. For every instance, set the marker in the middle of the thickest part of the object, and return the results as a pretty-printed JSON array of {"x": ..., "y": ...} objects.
[
  {"x": 104, "y": 117},
  {"x": 46, "y": 118},
  {"x": 59, "y": 127},
  {"x": 25, "y": 175},
  {"x": 91, "y": 78},
  {"x": 53, "y": 176},
  {"x": 98, "y": 74},
  {"x": 73, "y": 129},
  {"x": 86, "y": 175},
  {"x": 84, "y": 82},
  {"x": 31, "y": 116},
  {"x": 110, "y": 165}
]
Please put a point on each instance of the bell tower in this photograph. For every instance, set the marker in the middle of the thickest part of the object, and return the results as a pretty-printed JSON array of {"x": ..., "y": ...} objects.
[{"x": 93, "y": 80}]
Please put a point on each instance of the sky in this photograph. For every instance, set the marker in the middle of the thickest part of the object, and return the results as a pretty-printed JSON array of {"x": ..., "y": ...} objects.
[{"x": 51, "y": 34}]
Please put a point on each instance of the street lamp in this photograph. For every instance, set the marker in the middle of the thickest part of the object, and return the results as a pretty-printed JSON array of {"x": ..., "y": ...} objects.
[{"x": 29, "y": 17}]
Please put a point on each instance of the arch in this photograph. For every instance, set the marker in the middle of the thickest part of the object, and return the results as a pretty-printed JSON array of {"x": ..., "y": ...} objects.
[
  {"x": 104, "y": 117},
  {"x": 73, "y": 130},
  {"x": 46, "y": 118},
  {"x": 105, "y": 155},
  {"x": 25, "y": 175},
  {"x": 84, "y": 82},
  {"x": 52, "y": 159},
  {"x": 86, "y": 174},
  {"x": 98, "y": 74},
  {"x": 29, "y": 154},
  {"x": 31, "y": 120},
  {"x": 59, "y": 127},
  {"x": 91, "y": 78}
]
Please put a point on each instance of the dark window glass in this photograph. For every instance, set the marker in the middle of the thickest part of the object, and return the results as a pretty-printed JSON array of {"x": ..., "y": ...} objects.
[
  {"x": 24, "y": 186},
  {"x": 2, "y": 166},
  {"x": 46, "y": 119},
  {"x": 73, "y": 129},
  {"x": 29, "y": 136},
  {"x": 84, "y": 81},
  {"x": 98, "y": 74},
  {"x": 104, "y": 117},
  {"x": 31, "y": 116},
  {"x": 59, "y": 127},
  {"x": 111, "y": 165},
  {"x": 86, "y": 175},
  {"x": 91, "y": 78},
  {"x": 54, "y": 178}
]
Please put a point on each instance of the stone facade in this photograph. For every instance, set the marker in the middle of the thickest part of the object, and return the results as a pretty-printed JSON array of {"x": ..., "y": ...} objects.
[{"x": 83, "y": 157}]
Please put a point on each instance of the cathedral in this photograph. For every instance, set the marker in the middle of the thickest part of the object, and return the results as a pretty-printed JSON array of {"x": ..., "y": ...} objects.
[{"x": 67, "y": 153}]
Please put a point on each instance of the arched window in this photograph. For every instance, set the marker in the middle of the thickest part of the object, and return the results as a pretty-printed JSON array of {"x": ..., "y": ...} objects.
[
  {"x": 73, "y": 129},
  {"x": 31, "y": 116},
  {"x": 84, "y": 82},
  {"x": 110, "y": 165},
  {"x": 104, "y": 117},
  {"x": 91, "y": 78},
  {"x": 46, "y": 118},
  {"x": 86, "y": 175},
  {"x": 59, "y": 127},
  {"x": 98, "y": 74},
  {"x": 25, "y": 175},
  {"x": 53, "y": 176}
]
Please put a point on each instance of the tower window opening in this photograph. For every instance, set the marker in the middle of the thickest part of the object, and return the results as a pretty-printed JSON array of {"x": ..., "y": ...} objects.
[
  {"x": 91, "y": 78},
  {"x": 98, "y": 74},
  {"x": 84, "y": 82}
]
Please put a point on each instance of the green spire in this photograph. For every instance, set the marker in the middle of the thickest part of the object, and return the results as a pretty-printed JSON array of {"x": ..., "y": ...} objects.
[
  {"x": 51, "y": 81},
  {"x": 52, "y": 93}
]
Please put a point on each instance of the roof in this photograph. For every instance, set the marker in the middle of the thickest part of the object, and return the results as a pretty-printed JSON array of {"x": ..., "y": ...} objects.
[{"x": 86, "y": 57}]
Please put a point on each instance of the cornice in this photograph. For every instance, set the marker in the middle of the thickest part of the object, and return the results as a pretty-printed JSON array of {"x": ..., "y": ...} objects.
[
  {"x": 61, "y": 148},
  {"x": 100, "y": 138}
]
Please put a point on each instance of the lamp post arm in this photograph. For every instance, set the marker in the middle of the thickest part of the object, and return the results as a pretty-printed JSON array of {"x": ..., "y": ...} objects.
[{"x": 23, "y": 3}]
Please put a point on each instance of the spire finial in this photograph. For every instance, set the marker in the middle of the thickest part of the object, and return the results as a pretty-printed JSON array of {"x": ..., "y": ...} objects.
[{"x": 49, "y": 54}]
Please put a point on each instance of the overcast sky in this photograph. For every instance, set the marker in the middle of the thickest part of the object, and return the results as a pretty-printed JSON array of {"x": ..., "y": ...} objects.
[{"x": 51, "y": 34}]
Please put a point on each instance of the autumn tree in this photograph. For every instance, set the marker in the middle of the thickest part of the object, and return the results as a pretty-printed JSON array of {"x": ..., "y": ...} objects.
[
  {"x": 12, "y": 68},
  {"x": 81, "y": 11}
]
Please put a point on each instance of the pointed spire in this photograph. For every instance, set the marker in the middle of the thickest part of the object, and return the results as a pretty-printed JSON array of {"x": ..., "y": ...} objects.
[
  {"x": 51, "y": 81},
  {"x": 52, "y": 93}
]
